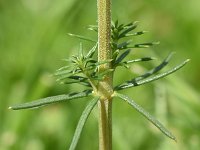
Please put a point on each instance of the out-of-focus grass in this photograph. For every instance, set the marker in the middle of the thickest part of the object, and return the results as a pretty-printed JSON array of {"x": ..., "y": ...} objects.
[{"x": 33, "y": 40}]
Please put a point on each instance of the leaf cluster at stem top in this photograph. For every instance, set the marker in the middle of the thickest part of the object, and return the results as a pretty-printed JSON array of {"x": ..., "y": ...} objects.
[{"x": 83, "y": 68}]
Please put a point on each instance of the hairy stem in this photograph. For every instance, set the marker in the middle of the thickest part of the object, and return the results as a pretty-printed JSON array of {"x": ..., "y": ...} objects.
[{"x": 105, "y": 88}]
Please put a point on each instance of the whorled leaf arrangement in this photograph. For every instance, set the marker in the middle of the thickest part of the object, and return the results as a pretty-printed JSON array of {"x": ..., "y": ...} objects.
[{"x": 83, "y": 69}]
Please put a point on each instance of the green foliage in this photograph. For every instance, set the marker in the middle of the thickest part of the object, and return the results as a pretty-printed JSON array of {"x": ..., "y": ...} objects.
[
  {"x": 83, "y": 69},
  {"x": 146, "y": 115},
  {"x": 49, "y": 100},
  {"x": 140, "y": 80},
  {"x": 33, "y": 40},
  {"x": 82, "y": 122}
]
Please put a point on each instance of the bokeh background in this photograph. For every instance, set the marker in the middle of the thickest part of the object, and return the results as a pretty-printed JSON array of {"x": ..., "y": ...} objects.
[{"x": 33, "y": 40}]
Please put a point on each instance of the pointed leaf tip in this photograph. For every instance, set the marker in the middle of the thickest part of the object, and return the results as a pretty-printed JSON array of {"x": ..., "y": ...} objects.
[
  {"x": 147, "y": 115},
  {"x": 187, "y": 60},
  {"x": 50, "y": 100},
  {"x": 81, "y": 37}
]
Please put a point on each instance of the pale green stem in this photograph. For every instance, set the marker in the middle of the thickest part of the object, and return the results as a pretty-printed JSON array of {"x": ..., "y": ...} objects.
[
  {"x": 105, "y": 124},
  {"x": 105, "y": 88}
]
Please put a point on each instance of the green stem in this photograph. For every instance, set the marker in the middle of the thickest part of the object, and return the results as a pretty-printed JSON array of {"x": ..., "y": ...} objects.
[
  {"x": 105, "y": 88},
  {"x": 105, "y": 125}
]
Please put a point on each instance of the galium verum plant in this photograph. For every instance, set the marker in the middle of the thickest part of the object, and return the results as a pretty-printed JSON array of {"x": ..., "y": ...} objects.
[{"x": 96, "y": 74}]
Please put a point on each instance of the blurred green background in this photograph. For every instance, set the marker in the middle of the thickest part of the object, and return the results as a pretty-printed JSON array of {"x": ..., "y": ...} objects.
[{"x": 33, "y": 40}]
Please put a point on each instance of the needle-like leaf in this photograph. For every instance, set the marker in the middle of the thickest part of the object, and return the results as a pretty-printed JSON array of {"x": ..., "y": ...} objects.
[
  {"x": 92, "y": 51},
  {"x": 123, "y": 45},
  {"x": 62, "y": 72},
  {"x": 128, "y": 28},
  {"x": 121, "y": 57},
  {"x": 126, "y": 63},
  {"x": 65, "y": 76},
  {"x": 146, "y": 115},
  {"x": 81, "y": 51},
  {"x": 135, "y": 34},
  {"x": 63, "y": 68},
  {"x": 50, "y": 100},
  {"x": 93, "y": 28},
  {"x": 156, "y": 69},
  {"x": 82, "y": 122},
  {"x": 81, "y": 37},
  {"x": 74, "y": 79},
  {"x": 133, "y": 83},
  {"x": 139, "y": 60},
  {"x": 143, "y": 45}
]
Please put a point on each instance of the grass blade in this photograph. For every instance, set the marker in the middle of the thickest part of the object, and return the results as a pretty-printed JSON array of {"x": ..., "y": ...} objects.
[
  {"x": 146, "y": 115},
  {"x": 50, "y": 100},
  {"x": 82, "y": 122}
]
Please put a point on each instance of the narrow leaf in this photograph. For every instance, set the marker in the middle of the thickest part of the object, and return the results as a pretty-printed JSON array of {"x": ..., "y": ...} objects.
[
  {"x": 120, "y": 27},
  {"x": 126, "y": 63},
  {"x": 81, "y": 37},
  {"x": 144, "y": 45},
  {"x": 65, "y": 76},
  {"x": 84, "y": 83},
  {"x": 62, "y": 68},
  {"x": 116, "y": 23},
  {"x": 93, "y": 28},
  {"x": 115, "y": 54},
  {"x": 139, "y": 60},
  {"x": 156, "y": 69},
  {"x": 130, "y": 24},
  {"x": 82, "y": 122},
  {"x": 128, "y": 29},
  {"x": 136, "y": 33},
  {"x": 133, "y": 83},
  {"x": 81, "y": 51},
  {"x": 92, "y": 51},
  {"x": 50, "y": 100},
  {"x": 74, "y": 79},
  {"x": 62, "y": 72},
  {"x": 79, "y": 78},
  {"x": 122, "y": 56},
  {"x": 123, "y": 45},
  {"x": 161, "y": 75},
  {"x": 146, "y": 115}
]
